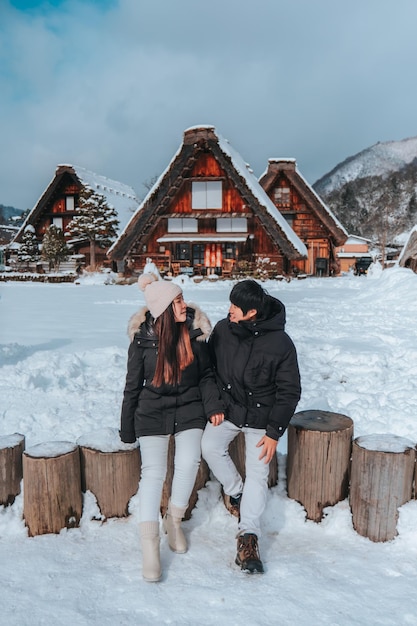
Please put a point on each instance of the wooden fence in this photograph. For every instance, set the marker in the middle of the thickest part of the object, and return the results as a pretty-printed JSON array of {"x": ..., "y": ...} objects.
[{"x": 38, "y": 278}]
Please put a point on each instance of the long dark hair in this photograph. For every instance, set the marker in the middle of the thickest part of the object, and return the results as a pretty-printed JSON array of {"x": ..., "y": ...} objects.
[{"x": 174, "y": 351}]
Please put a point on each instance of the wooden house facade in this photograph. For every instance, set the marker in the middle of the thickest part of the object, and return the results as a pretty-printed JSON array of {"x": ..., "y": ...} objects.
[
  {"x": 207, "y": 214},
  {"x": 307, "y": 215},
  {"x": 58, "y": 205}
]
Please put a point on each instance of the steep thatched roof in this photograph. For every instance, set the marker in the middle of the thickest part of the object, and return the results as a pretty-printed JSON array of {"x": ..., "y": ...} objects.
[{"x": 199, "y": 140}]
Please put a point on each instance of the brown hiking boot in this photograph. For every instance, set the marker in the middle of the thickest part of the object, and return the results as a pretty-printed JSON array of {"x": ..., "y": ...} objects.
[
  {"x": 232, "y": 504},
  {"x": 247, "y": 556}
]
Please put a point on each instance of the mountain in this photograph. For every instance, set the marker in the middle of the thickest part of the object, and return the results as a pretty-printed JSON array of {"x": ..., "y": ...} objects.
[
  {"x": 9, "y": 212},
  {"x": 374, "y": 193}
]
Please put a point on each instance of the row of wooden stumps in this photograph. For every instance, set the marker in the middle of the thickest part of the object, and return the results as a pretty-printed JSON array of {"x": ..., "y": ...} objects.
[
  {"x": 55, "y": 474},
  {"x": 324, "y": 466}
]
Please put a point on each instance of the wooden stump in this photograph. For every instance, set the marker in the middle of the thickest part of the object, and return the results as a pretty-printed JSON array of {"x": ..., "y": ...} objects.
[
  {"x": 52, "y": 498},
  {"x": 381, "y": 481},
  {"x": 318, "y": 460},
  {"x": 11, "y": 467},
  {"x": 110, "y": 469},
  {"x": 237, "y": 451},
  {"x": 202, "y": 477}
]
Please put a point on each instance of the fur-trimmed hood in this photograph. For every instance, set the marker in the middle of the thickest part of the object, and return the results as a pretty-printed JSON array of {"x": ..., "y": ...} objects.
[{"x": 199, "y": 321}]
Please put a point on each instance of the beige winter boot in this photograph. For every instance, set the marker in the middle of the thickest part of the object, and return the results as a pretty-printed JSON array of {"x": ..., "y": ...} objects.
[
  {"x": 151, "y": 562},
  {"x": 172, "y": 526}
]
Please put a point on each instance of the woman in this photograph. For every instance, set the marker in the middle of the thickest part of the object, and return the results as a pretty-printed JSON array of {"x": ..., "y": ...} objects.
[{"x": 170, "y": 390}]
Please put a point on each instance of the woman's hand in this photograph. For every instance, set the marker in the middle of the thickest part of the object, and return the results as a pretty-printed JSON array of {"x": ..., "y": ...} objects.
[{"x": 217, "y": 419}]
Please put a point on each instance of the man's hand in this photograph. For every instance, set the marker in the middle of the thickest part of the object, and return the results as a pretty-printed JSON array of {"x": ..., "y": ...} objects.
[
  {"x": 217, "y": 419},
  {"x": 269, "y": 447}
]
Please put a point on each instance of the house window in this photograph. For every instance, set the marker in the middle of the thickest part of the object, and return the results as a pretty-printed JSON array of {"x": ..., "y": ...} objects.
[
  {"x": 207, "y": 194},
  {"x": 58, "y": 222},
  {"x": 232, "y": 225},
  {"x": 229, "y": 250},
  {"x": 198, "y": 253},
  {"x": 289, "y": 218},
  {"x": 69, "y": 203},
  {"x": 182, "y": 251},
  {"x": 282, "y": 195},
  {"x": 182, "y": 225}
]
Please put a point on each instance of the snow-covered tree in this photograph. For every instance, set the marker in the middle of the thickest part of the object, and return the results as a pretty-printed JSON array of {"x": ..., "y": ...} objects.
[
  {"x": 29, "y": 247},
  {"x": 54, "y": 247},
  {"x": 96, "y": 221}
]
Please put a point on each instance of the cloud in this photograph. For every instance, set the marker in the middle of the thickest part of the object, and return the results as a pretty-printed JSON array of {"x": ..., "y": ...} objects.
[{"x": 112, "y": 86}]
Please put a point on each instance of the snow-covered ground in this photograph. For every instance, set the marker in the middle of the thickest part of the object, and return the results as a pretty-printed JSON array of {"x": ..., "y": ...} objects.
[{"x": 62, "y": 367}]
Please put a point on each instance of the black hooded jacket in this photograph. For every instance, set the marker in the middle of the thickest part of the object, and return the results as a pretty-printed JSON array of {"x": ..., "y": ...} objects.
[
  {"x": 257, "y": 371},
  {"x": 149, "y": 410}
]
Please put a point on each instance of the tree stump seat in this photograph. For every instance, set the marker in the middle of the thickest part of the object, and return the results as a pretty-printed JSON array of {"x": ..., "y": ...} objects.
[
  {"x": 52, "y": 498},
  {"x": 11, "y": 467},
  {"x": 318, "y": 460},
  {"x": 237, "y": 451},
  {"x": 382, "y": 477},
  {"x": 202, "y": 477},
  {"x": 110, "y": 469}
]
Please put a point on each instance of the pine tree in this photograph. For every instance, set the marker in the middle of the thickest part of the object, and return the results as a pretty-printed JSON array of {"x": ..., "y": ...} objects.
[
  {"x": 29, "y": 247},
  {"x": 54, "y": 247},
  {"x": 96, "y": 221}
]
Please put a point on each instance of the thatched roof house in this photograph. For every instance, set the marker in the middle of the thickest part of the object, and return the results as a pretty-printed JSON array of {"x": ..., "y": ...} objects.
[
  {"x": 207, "y": 213},
  {"x": 58, "y": 203}
]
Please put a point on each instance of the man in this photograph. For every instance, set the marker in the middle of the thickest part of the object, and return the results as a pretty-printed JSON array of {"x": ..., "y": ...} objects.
[{"x": 257, "y": 372}]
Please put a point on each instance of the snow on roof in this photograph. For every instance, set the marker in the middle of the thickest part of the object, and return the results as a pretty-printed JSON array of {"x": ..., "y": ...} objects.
[
  {"x": 323, "y": 204},
  {"x": 356, "y": 239},
  {"x": 118, "y": 195},
  {"x": 404, "y": 250},
  {"x": 246, "y": 172}
]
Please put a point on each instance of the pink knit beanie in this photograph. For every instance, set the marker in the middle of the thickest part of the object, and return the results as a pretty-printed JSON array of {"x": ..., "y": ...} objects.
[{"x": 158, "y": 293}]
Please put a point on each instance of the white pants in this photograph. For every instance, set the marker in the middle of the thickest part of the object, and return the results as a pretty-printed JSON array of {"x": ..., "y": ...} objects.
[
  {"x": 154, "y": 452},
  {"x": 215, "y": 449}
]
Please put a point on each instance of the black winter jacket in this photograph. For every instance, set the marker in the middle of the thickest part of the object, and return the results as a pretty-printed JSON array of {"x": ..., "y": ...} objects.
[
  {"x": 257, "y": 371},
  {"x": 149, "y": 410}
]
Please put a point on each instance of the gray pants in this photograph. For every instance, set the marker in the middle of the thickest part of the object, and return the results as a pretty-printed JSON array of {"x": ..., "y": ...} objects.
[
  {"x": 215, "y": 449},
  {"x": 154, "y": 452}
]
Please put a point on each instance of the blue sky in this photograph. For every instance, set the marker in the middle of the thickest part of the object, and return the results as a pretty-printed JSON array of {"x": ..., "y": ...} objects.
[
  {"x": 24, "y": 5},
  {"x": 48, "y": 5},
  {"x": 112, "y": 85}
]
